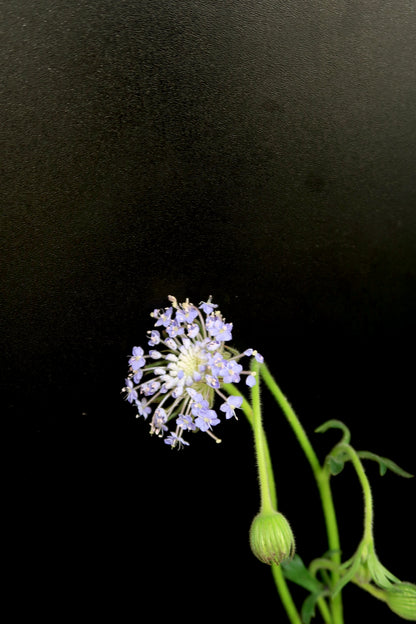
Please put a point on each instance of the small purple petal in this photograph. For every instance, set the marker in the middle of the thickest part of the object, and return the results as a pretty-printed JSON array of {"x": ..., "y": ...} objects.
[{"x": 251, "y": 381}]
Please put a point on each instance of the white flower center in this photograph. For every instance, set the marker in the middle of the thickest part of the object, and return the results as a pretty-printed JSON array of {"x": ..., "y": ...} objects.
[{"x": 191, "y": 360}]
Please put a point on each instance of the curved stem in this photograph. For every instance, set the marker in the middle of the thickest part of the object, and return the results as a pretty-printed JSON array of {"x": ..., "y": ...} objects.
[
  {"x": 248, "y": 412},
  {"x": 365, "y": 485},
  {"x": 372, "y": 589},
  {"x": 266, "y": 491},
  {"x": 322, "y": 479},
  {"x": 267, "y": 484},
  {"x": 266, "y": 501},
  {"x": 292, "y": 419}
]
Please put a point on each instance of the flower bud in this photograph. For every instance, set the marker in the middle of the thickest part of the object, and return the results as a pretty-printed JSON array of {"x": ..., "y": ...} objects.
[
  {"x": 401, "y": 598},
  {"x": 271, "y": 538}
]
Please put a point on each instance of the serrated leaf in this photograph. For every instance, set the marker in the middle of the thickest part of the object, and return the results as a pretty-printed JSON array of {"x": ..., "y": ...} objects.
[
  {"x": 296, "y": 571},
  {"x": 385, "y": 464}
]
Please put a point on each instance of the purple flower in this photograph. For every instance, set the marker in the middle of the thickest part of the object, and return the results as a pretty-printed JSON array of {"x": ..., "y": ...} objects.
[
  {"x": 256, "y": 354},
  {"x": 186, "y": 422},
  {"x": 150, "y": 388},
  {"x": 218, "y": 364},
  {"x": 174, "y": 329},
  {"x": 154, "y": 338},
  {"x": 142, "y": 408},
  {"x": 187, "y": 315},
  {"x": 218, "y": 329},
  {"x": 198, "y": 402},
  {"x": 212, "y": 381},
  {"x": 137, "y": 360},
  {"x": 131, "y": 392},
  {"x": 158, "y": 422},
  {"x": 173, "y": 439},
  {"x": 224, "y": 333},
  {"x": 230, "y": 405},
  {"x": 182, "y": 379},
  {"x": 192, "y": 330},
  {"x": 232, "y": 371},
  {"x": 207, "y": 306},
  {"x": 213, "y": 345},
  {"x": 163, "y": 317},
  {"x": 206, "y": 419}
]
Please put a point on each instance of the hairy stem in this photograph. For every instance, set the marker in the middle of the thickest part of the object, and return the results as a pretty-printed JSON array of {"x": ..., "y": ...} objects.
[
  {"x": 248, "y": 412},
  {"x": 365, "y": 484},
  {"x": 285, "y": 595},
  {"x": 322, "y": 479},
  {"x": 261, "y": 447}
]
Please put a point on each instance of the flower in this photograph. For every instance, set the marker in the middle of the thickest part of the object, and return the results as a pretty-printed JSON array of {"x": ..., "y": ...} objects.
[
  {"x": 229, "y": 406},
  {"x": 206, "y": 419},
  {"x": 131, "y": 392},
  {"x": 137, "y": 360},
  {"x": 185, "y": 370}
]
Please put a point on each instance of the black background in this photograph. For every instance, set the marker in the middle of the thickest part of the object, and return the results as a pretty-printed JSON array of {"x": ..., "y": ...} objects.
[{"x": 262, "y": 152}]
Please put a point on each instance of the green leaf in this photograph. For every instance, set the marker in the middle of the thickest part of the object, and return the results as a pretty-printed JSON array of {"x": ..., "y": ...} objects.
[
  {"x": 335, "y": 424},
  {"x": 308, "y": 607},
  {"x": 336, "y": 465},
  {"x": 296, "y": 571},
  {"x": 336, "y": 459},
  {"x": 385, "y": 464}
]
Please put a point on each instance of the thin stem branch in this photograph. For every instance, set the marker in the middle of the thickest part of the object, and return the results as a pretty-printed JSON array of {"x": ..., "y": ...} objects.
[
  {"x": 266, "y": 501},
  {"x": 248, "y": 412},
  {"x": 368, "y": 496}
]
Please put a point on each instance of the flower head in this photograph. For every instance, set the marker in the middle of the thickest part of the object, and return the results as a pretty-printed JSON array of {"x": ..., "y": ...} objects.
[{"x": 184, "y": 371}]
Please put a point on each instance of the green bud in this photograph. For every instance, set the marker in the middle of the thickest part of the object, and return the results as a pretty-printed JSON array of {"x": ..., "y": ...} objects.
[
  {"x": 371, "y": 569},
  {"x": 401, "y": 599},
  {"x": 271, "y": 538}
]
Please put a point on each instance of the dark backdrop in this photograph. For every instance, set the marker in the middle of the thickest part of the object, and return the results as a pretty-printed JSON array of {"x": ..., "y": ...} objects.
[{"x": 262, "y": 152}]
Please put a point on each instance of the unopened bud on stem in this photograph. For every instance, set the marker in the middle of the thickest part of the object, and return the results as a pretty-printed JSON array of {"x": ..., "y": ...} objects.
[
  {"x": 271, "y": 538},
  {"x": 401, "y": 599}
]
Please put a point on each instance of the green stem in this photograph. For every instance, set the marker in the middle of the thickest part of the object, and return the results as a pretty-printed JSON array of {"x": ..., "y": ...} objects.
[
  {"x": 285, "y": 595},
  {"x": 248, "y": 412},
  {"x": 266, "y": 501},
  {"x": 322, "y": 479},
  {"x": 268, "y": 498},
  {"x": 267, "y": 504},
  {"x": 292, "y": 419},
  {"x": 323, "y": 607},
  {"x": 368, "y": 497},
  {"x": 373, "y": 590}
]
